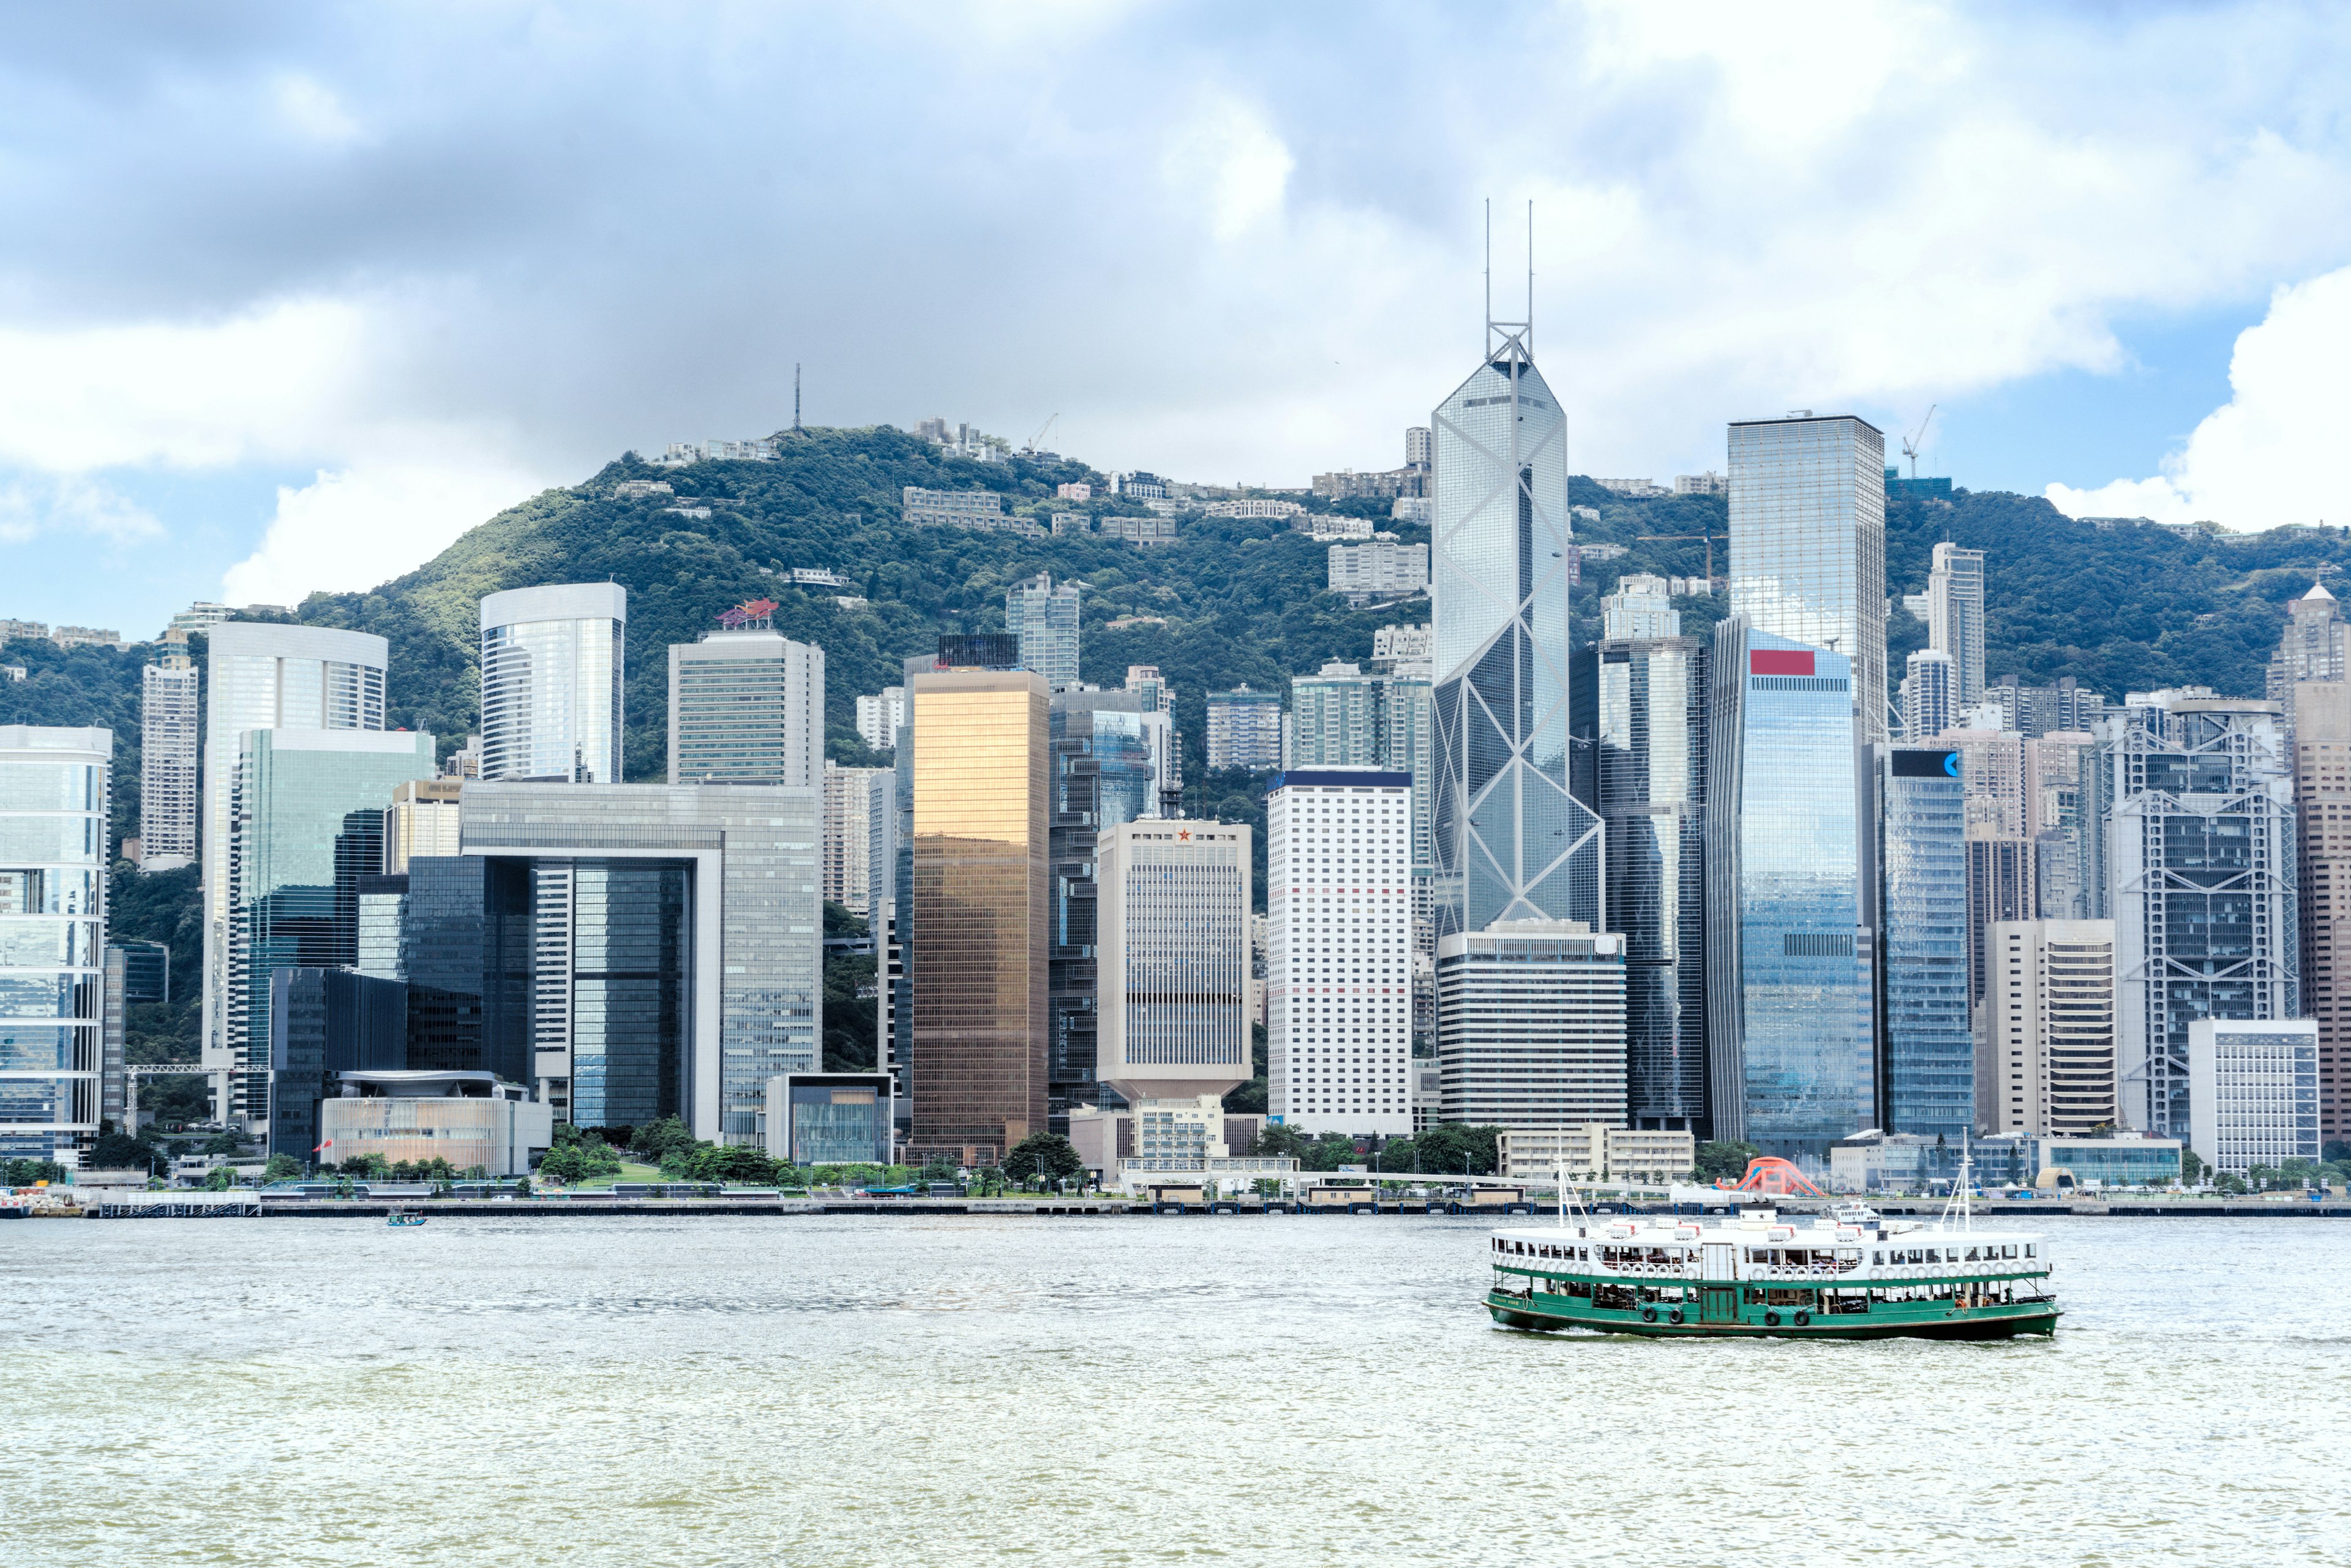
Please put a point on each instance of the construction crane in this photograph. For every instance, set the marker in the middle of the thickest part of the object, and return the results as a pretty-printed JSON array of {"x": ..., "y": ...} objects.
[
  {"x": 1040, "y": 434},
  {"x": 1710, "y": 550},
  {"x": 1910, "y": 442}
]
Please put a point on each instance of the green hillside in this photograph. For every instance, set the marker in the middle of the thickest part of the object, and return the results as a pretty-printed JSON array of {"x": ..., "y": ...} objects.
[{"x": 2127, "y": 608}]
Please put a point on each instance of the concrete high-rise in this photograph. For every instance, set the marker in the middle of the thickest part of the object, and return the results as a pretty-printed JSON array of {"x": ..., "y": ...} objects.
[
  {"x": 2047, "y": 1066},
  {"x": 1648, "y": 690},
  {"x": 1045, "y": 617},
  {"x": 1790, "y": 990},
  {"x": 308, "y": 828},
  {"x": 1531, "y": 1025},
  {"x": 1808, "y": 543},
  {"x": 53, "y": 896},
  {"x": 746, "y": 706},
  {"x": 1339, "y": 951},
  {"x": 2322, "y": 794},
  {"x": 171, "y": 791},
  {"x": 978, "y": 964},
  {"x": 422, "y": 820},
  {"x": 1174, "y": 958},
  {"x": 880, "y": 717},
  {"x": 1929, "y": 691},
  {"x": 1928, "y": 1062},
  {"x": 1244, "y": 729},
  {"x": 1510, "y": 842},
  {"x": 849, "y": 813},
  {"x": 554, "y": 667},
  {"x": 2195, "y": 864},
  {"x": 261, "y": 675},
  {"x": 1955, "y": 617},
  {"x": 1342, "y": 717},
  {"x": 2313, "y": 647}
]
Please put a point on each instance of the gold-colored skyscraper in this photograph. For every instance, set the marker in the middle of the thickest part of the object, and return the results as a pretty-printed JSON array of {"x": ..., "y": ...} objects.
[{"x": 978, "y": 960}]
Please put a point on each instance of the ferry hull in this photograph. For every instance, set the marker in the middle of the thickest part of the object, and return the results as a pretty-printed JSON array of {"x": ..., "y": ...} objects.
[{"x": 2006, "y": 1321}]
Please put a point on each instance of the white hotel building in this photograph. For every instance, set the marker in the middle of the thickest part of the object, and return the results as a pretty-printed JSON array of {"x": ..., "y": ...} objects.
[
  {"x": 1339, "y": 951},
  {"x": 2252, "y": 1090}
]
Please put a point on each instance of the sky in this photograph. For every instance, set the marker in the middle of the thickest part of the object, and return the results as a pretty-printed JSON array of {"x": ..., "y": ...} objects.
[{"x": 291, "y": 295}]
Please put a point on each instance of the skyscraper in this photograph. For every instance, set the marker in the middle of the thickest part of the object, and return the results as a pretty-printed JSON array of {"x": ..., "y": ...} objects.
[
  {"x": 553, "y": 669},
  {"x": 677, "y": 943},
  {"x": 979, "y": 963},
  {"x": 1339, "y": 951},
  {"x": 2322, "y": 794},
  {"x": 1104, "y": 768},
  {"x": 261, "y": 675},
  {"x": 880, "y": 717},
  {"x": 2196, "y": 867},
  {"x": 1808, "y": 543},
  {"x": 1955, "y": 623},
  {"x": 1509, "y": 841},
  {"x": 1790, "y": 995},
  {"x": 53, "y": 854},
  {"x": 1929, "y": 690},
  {"x": 170, "y": 792},
  {"x": 1174, "y": 926},
  {"x": 1928, "y": 1066},
  {"x": 1342, "y": 717},
  {"x": 308, "y": 827},
  {"x": 1045, "y": 619},
  {"x": 746, "y": 706},
  {"x": 421, "y": 820},
  {"x": 2312, "y": 648},
  {"x": 1649, "y": 691}
]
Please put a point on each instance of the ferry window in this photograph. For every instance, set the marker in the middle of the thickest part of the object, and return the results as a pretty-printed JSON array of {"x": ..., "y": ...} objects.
[
  {"x": 1917, "y": 1256},
  {"x": 2028, "y": 1249},
  {"x": 1971, "y": 1255},
  {"x": 2009, "y": 1250},
  {"x": 1934, "y": 1255},
  {"x": 1877, "y": 1257}
]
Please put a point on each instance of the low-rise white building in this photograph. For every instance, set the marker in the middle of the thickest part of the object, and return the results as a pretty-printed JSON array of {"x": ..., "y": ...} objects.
[
  {"x": 470, "y": 1119},
  {"x": 2252, "y": 1090},
  {"x": 1596, "y": 1152}
]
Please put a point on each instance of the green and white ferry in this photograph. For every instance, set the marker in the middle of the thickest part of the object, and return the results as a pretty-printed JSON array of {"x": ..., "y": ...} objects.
[{"x": 1759, "y": 1275}]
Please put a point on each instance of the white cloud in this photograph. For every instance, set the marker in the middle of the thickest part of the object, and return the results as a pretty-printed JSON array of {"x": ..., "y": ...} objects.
[
  {"x": 1228, "y": 162},
  {"x": 360, "y": 526},
  {"x": 72, "y": 505},
  {"x": 2268, "y": 456}
]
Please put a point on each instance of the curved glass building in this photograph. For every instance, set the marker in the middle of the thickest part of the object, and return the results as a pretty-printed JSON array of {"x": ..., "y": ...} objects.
[
  {"x": 553, "y": 664},
  {"x": 1509, "y": 842}
]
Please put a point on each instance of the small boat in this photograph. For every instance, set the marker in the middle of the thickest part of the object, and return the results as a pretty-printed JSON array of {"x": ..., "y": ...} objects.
[
  {"x": 403, "y": 1216},
  {"x": 1854, "y": 1213}
]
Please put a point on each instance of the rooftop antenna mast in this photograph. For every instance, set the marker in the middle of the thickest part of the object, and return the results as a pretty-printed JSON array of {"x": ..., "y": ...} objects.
[{"x": 796, "y": 397}]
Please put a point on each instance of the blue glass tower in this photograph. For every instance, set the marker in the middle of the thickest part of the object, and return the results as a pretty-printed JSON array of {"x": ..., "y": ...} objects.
[
  {"x": 1928, "y": 1069},
  {"x": 1510, "y": 842},
  {"x": 1789, "y": 999}
]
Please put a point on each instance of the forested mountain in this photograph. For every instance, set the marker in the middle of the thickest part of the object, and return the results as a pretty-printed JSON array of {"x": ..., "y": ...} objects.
[{"x": 2121, "y": 608}]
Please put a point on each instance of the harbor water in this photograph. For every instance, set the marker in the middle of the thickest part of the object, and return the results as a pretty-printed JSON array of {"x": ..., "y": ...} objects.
[{"x": 682, "y": 1391}]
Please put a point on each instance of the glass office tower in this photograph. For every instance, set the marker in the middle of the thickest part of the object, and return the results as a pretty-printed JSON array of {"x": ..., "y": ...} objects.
[
  {"x": 308, "y": 828},
  {"x": 1509, "y": 841},
  {"x": 1648, "y": 777},
  {"x": 265, "y": 676},
  {"x": 1791, "y": 1062},
  {"x": 2193, "y": 857},
  {"x": 1045, "y": 619},
  {"x": 553, "y": 666},
  {"x": 53, "y": 810},
  {"x": 1808, "y": 543},
  {"x": 979, "y": 961},
  {"x": 1103, "y": 751},
  {"x": 1928, "y": 1069}
]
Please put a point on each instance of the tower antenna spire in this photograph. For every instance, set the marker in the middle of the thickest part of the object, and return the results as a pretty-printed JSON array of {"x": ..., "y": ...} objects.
[
  {"x": 1530, "y": 276},
  {"x": 1489, "y": 276},
  {"x": 796, "y": 397}
]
